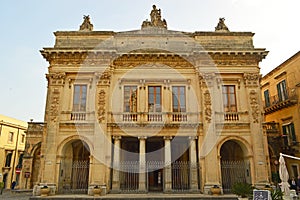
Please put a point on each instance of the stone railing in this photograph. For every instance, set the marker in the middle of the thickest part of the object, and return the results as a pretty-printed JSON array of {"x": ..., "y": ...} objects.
[
  {"x": 232, "y": 116},
  {"x": 157, "y": 117}
]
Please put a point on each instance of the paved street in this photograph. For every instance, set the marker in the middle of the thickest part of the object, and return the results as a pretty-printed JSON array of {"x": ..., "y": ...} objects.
[{"x": 7, "y": 194}]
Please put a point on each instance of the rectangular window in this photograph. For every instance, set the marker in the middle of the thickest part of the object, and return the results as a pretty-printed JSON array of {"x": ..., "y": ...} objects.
[
  {"x": 267, "y": 98},
  {"x": 10, "y": 137},
  {"x": 130, "y": 98},
  {"x": 289, "y": 134},
  {"x": 79, "y": 100},
  {"x": 282, "y": 91},
  {"x": 229, "y": 98},
  {"x": 8, "y": 159},
  {"x": 22, "y": 138},
  {"x": 154, "y": 99},
  {"x": 178, "y": 99}
]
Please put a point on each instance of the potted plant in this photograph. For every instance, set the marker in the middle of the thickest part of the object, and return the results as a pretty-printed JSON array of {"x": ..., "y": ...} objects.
[
  {"x": 45, "y": 191},
  {"x": 215, "y": 190},
  {"x": 277, "y": 194},
  {"x": 97, "y": 190},
  {"x": 243, "y": 190}
]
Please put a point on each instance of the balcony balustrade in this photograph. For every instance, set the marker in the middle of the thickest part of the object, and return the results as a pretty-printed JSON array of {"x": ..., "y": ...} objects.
[
  {"x": 234, "y": 117},
  {"x": 78, "y": 116},
  {"x": 157, "y": 117},
  {"x": 277, "y": 102}
]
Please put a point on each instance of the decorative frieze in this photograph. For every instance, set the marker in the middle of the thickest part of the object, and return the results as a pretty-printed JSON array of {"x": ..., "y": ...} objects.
[{"x": 151, "y": 60}]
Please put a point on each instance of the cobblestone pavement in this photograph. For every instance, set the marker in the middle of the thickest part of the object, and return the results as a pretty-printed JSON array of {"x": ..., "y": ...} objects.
[{"x": 7, "y": 194}]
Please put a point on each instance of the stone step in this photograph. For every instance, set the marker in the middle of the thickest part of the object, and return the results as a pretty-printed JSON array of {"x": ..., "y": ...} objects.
[{"x": 138, "y": 197}]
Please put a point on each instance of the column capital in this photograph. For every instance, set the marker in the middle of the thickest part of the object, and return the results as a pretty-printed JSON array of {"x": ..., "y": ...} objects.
[
  {"x": 117, "y": 137},
  {"x": 168, "y": 137},
  {"x": 142, "y": 137}
]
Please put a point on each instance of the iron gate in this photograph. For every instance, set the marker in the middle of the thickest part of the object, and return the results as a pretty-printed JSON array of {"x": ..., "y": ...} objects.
[
  {"x": 79, "y": 178},
  {"x": 233, "y": 171},
  {"x": 129, "y": 176},
  {"x": 181, "y": 175}
]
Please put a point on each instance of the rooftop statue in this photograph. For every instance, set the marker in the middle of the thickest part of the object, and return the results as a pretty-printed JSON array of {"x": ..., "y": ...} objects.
[
  {"x": 221, "y": 26},
  {"x": 156, "y": 20},
  {"x": 86, "y": 24}
]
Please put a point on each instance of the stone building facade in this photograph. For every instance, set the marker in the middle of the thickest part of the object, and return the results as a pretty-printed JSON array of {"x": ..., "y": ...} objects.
[
  {"x": 32, "y": 155},
  {"x": 12, "y": 145},
  {"x": 153, "y": 110},
  {"x": 280, "y": 92}
]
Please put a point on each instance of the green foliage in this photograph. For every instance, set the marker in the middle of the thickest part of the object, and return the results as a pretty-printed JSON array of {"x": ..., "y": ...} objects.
[
  {"x": 242, "y": 189},
  {"x": 277, "y": 194}
]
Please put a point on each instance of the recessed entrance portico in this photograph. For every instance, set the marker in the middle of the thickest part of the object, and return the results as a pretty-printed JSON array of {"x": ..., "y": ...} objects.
[{"x": 155, "y": 164}]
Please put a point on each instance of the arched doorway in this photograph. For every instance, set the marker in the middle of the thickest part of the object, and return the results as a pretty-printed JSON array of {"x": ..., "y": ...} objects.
[
  {"x": 235, "y": 167},
  {"x": 74, "y": 168},
  {"x": 36, "y": 162}
]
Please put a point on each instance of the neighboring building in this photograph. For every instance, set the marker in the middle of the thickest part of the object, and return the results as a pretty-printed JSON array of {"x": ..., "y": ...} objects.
[
  {"x": 32, "y": 154},
  {"x": 12, "y": 145},
  {"x": 280, "y": 92},
  {"x": 153, "y": 110}
]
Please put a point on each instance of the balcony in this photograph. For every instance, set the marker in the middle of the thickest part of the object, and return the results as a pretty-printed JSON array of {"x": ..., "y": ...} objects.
[
  {"x": 157, "y": 118},
  {"x": 276, "y": 103},
  {"x": 272, "y": 129},
  {"x": 232, "y": 117},
  {"x": 77, "y": 116}
]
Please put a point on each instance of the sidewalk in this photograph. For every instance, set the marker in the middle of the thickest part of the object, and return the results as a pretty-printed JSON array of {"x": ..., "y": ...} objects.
[{"x": 16, "y": 195}]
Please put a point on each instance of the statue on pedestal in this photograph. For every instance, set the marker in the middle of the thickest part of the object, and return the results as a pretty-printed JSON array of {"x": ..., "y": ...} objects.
[{"x": 156, "y": 20}]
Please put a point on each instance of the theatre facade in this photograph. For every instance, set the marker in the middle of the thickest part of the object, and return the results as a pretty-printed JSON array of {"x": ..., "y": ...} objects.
[{"x": 153, "y": 110}]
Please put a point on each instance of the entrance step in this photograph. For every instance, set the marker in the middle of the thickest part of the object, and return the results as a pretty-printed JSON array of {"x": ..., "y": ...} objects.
[{"x": 139, "y": 197}]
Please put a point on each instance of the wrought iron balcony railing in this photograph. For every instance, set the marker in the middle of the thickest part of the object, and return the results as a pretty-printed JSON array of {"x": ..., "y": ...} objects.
[{"x": 277, "y": 102}]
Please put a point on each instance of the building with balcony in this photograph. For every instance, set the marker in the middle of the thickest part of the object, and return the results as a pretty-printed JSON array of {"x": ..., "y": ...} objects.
[
  {"x": 280, "y": 92},
  {"x": 153, "y": 110},
  {"x": 12, "y": 145}
]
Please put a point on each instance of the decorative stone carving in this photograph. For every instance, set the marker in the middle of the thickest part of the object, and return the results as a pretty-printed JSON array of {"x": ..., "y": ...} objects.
[
  {"x": 86, "y": 24},
  {"x": 101, "y": 106},
  {"x": 54, "y": 105},
  {"x": 254, "y": 105},
  {"x": 207, "y": 106},
  {"x": 206, "y": 79},
  {"x": 251, "y": 79},
  {"x": 57, "y": 78},
  {"x": 156, "y": 20},
  {"x": 221, "y": 27},
  {"x": 104, "y": 77}
]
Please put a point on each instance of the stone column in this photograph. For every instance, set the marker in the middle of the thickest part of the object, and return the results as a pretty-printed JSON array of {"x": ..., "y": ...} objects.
[
  {"x": 142, "y": 173},
  {"x": 193, "y": 164},
  {"x": 167, "y": 168},
  {"x": 116, "y": 164}
]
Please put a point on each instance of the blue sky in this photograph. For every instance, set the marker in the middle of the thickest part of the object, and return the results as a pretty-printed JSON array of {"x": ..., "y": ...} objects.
[{"x": 28, "y": 26}]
